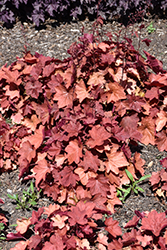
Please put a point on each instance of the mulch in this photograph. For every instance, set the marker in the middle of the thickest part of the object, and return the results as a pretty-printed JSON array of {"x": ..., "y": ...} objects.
[{"x": 53, "y": 39}]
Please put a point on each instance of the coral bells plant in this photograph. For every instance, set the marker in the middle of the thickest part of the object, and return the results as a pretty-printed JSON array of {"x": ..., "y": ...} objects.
[
  {"x": 76, "y": 228},
  {"x": 69, "y": 124}
]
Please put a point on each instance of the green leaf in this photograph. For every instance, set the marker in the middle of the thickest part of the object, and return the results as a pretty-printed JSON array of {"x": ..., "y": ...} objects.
[
  {"x": 12, "y": 196},
  {"x": 127, "y": 192},
  {"x": 135, "y": 191},
  {"x": 33, "y": 203},
  {"x": 119, "y": 193},
  {"x": 130, "y": 176},
  {"x": 123, "y": 189},
  {"x": 144, "y": 57},
  {"x": 140, "y": 189},
  {"x": 144, "y": 177},
  {"x": 2, "y": 226},
  {"x": 13, "y": 225},
  {"x": 32, "y": 187},
  {"x": 2, "y": 238}
]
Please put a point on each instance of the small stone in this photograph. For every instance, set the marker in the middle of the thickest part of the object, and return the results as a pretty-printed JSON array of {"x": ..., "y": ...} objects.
[{"x": 9, "y": 191}]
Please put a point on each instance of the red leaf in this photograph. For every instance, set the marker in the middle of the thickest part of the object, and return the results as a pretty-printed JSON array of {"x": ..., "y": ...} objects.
[
  {"x": 68, "y": 177},
  {"x": 164, "y": 162},
  {"x": 129, "y": 123},
  {"x": 34, "y": 241},
  {"x": 155, "y": 178},
  {"x": 147, "y": 129},
  {"x": 130, "y": 237},
  {"x": 102, "y": 239},
  {"x": 112, "y": 227},
  {"x": 103, "y": 46},
  {"x": 139, "y": 163},
  {"x": 36, "y": 215},
  {"x": 64, "y": 97},
  {"x": 145, "y": 240},
  {"x": 41, "y": 169},
  {"x": 42, "y": 111},
  {"x": 81, "y": 91},
  {"x": 133, "y": 222},
  {"x": 30, "y": 58},
  {"x": 14, "y": 236},
  {"x": 74, "y": 152},
  {"x": 71, "y": 243},
  {"x": 163, "y": 175},
  {"x": 99, "y": 185},
  {"x": 115, "y": 93},
  {"x": 80, "y": 213},
  {"x": 54, "y": 149},
  {"x": 161, "y": 141},
  {"x": 31, "y": 123},
  {"x": 48, "y": 70},
  {"x": 147, "y": 41},
  {"x": 73, "y": 128},
  {"x": 33, "y": 88},
  {"x": 27, "y": 152},
  {"x": 51, "y": 209},
  {"x": 98, "y": 136},
  {"x": 55, "y": 81},
  {"x": 158, "y": 78},
  {"x": 23, "y": 225},
  {"x": 3, "y": 219},
  {"x": 69, "y": 76},
  {"x": 22, "y": 245},
  {"x": 154, "y": 63},
  {"x": 154, "y": 222},
  {"x": 90, "y": 162},
  {"x": 99, "y": 200},
  {"x": 11, "y": 76},
  {"x": 49, "y": 246},
  {"x": 96, "y": 79},
  {"x": 134, "y": 103},
  {"x": 37, "y": 138},
  {"x": 161, "y": 120},
  {"x": 152, "y": 93},
  {"x": 116, "y": 160},
  {"x": 162, "y": 243},
  {"x": 115, "y": 245}
]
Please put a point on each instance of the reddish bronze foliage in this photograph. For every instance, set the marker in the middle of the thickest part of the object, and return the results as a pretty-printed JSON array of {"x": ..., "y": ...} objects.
[{"x": 71, "y": 124}]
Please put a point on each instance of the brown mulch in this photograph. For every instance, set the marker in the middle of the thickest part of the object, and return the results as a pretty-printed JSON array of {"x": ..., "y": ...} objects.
[{"x": 53, "y": 39}]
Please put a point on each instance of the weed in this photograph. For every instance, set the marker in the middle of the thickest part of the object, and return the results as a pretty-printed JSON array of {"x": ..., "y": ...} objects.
[
  {"x": 2, "y": 234},
  {"x": 28, "y": 199},
  {"x": 150, "y": 28},
  {"x": 159, "y": 157},
  {"x": 132, "y": 187}
]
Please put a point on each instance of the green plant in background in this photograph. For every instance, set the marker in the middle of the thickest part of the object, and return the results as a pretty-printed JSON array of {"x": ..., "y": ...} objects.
[
  {"x": 144, "y": 57},
  {"x": 150, "y": 28},
  {"x": 159, "y": 157},
  {"x": 2, "y": 234},
  {"x": 28, "y": 199},
  {"x": 122, "y": 193}
]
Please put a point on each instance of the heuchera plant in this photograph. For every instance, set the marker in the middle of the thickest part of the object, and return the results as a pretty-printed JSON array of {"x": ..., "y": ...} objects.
[
  {"x": 37, "y": 11},
  {"x": 76, "y": 228},
  {"x": 69, "y": 124}
]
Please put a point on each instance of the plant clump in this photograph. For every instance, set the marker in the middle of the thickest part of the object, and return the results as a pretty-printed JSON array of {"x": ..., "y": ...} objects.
[
  {"x": 38, "y": 11},
  {"x": 70, "y": 125}
]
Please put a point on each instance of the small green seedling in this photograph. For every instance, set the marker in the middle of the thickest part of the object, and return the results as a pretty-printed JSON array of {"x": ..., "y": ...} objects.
[
  {"x": 2, "y": 234},
  {"x": 144, "y": 57},
  {"x": 132, "y": 187},
  {"x": 150, "y": 28},
  {"x": 28, "y": 199}
]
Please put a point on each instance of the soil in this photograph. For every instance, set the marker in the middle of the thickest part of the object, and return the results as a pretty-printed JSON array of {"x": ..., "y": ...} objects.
[{"x": 53, "y": 39}]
